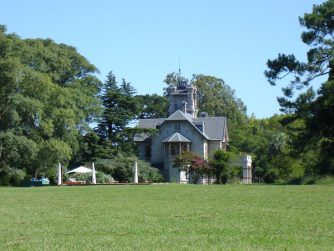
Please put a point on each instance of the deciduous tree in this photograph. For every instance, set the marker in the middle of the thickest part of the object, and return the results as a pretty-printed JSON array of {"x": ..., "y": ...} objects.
[
  {"x": 48, "y": 97},
  {"x": 220, "y": 165}
]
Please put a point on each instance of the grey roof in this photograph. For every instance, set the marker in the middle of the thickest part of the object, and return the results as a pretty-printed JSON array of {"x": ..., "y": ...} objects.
[
  {"x": 150, "y": 123},
  {"x": 141, "y": 137},
  {"x": 179, "y": 115},
  {"x": 176, "y": 137},
  {"x": 214, "y": 128}
]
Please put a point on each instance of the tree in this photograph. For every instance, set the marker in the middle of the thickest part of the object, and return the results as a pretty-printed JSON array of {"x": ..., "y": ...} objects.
[
  {"x": 215, "y": 96},
  {"x": 183, "y": 162},
  {"x": 220, "y": 166},
  {"x": 119, "y": 108},
  {"x": 314, "y": 109},
  {"x": 16, "y": 151},
  {"x": 174, "y": 78},
  {"x": 278, "y": 144},
  {"x": 48, "y": 97},
  {"x": 152, "y": 106},
  {"x": 198, "y": 168},
  {"x": 110, "y": 123},
  {"x": 193, "y": 166}
]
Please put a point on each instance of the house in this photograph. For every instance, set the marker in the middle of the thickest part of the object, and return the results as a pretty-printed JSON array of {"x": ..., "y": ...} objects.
[{"x": 181, "y": 131}]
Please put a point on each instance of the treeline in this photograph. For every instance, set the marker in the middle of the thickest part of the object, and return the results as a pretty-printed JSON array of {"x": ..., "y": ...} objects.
[
  {"x": 54, "y": 109},
  {"x": 49, "y": 99}
]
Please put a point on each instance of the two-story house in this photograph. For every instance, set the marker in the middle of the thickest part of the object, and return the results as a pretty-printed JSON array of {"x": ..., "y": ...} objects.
[{"x": 181, "y": 131}]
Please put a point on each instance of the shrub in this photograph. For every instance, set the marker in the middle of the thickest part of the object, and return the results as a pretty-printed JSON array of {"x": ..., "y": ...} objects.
[
  {"x": 121, "y": 169},
  {"x": 16, "y": 177},
  {"x": 103, "y": 178},
  {"x": 13, "y": 177},
  {"x": 4, "y": 178}
]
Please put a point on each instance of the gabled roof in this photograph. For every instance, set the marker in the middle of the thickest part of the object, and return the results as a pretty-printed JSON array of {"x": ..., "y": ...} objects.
[
  {"x": 179, "y": 115},
  {"x": 213, "y": 128},
  {"x": 150, "y": 123},
  {"x": 176, "y": 137}
]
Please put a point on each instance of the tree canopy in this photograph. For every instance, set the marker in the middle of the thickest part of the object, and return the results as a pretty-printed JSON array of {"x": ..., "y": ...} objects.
[
  {"x": 47, "y": 99},
  {"x": 215, "y": 96},
  {"x": 315, "y": 109},
  {"x": 50, "y": 98}
]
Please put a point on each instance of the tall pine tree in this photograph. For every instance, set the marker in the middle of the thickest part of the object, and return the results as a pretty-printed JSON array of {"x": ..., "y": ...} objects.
[{"x": 119, "y": 108}]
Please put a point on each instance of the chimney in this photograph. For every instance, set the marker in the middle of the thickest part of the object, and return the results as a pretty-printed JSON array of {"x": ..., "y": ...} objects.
[{"x": 184, "y": 106}]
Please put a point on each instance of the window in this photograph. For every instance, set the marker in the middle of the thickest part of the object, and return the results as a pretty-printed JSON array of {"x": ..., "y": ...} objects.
[
  {"x": 184, "y": 147},
  {"x": 177, "y": 148},
  {"x": 148, "y": 152},
  {"x": 177, "y": 127},
  {"x": 174, "y": 149}
]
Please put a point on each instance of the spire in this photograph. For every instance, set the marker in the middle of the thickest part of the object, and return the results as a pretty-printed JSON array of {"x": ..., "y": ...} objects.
[
  {"x": 179, "y": 75},
  {"x": 181, "y": 82}
]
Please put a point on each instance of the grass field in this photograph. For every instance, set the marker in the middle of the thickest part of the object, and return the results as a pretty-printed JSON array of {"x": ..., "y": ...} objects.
[{"x": 168, "y": 217}]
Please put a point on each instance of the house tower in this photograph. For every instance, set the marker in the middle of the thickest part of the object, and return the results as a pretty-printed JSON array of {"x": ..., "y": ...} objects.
[{"x": 182, "y": 97}]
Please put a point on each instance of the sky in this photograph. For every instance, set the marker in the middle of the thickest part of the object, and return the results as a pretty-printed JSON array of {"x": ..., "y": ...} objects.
[{"x": 142, "y": 41}]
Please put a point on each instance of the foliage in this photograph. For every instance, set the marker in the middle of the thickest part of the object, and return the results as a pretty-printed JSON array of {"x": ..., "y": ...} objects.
[
  {"x": 17, "y": 151},
  {"x": 152, "y": 106},
  {"x": 47, "y": 98},
  {"x": 313, "y": 109},
  {"x": 119, "y": 109},
  {"x": 220, "y": 166},
  {"x": 174, "y": 78},
  {"x": 16, "y": 177},
  {"x": 13, "y": 177},
  {"x": 198, "y": 168},
  {"x": 193, "y": 166},
  {"x": 101, "y": 178},
  {"x": 121, "y": 169},
  {"x": 215, "y": 96},
  {"x": 269, "y": 143},
  {"x": 183, "y": 161}
]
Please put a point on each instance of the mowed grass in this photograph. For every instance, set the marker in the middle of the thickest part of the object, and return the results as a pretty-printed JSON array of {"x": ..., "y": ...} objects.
[{"x": 168, "y": 217}]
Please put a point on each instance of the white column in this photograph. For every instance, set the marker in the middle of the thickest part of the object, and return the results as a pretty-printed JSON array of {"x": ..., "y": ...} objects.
[
  {"x": 93, "y": 174},
  {"x": 247, "y": 169},
  {"x": 136, "y": 173},
  {"x": 60, "y": 180}
]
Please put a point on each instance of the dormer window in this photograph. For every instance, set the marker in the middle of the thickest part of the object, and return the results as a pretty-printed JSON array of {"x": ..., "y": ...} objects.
[
  {"x": 177, "y": 127},
  {"x": 200, "y": 126}
]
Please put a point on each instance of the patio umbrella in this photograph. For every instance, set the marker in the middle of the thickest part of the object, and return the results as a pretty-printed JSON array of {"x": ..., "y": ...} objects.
[{"x": 80, "y": 169}]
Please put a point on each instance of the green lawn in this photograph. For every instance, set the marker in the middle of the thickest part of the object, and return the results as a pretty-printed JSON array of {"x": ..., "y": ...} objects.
[{"x": 168, "y": 217}]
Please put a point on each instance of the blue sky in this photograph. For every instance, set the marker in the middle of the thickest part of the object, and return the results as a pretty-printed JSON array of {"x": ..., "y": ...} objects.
[{"x": 142, "y": 41}]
